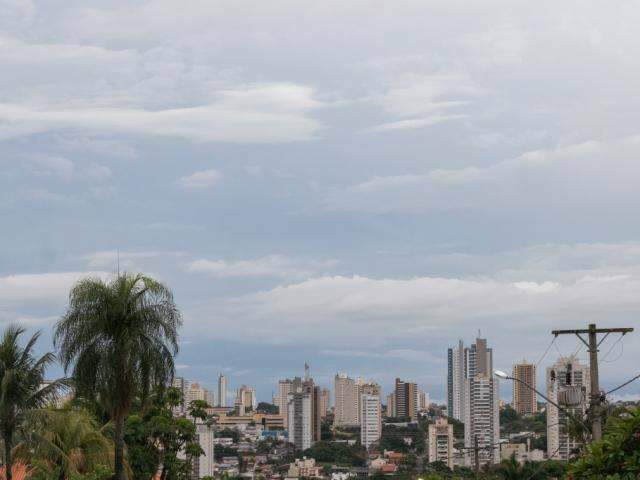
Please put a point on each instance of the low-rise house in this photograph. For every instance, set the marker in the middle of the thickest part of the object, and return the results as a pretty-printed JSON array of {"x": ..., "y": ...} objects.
[{"x": 304, "y": 467}]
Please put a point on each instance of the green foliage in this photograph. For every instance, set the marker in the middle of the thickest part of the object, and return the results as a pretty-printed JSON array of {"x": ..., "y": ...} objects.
[
  {"x": 337, "y": 453},
  {"x": 268, "y": 408},
  {"x": 68, "y": 440},
  {"x": 118, "y": 339},
  {"x": 617, "y": 455},
  {"x": 393, "y": 438},
  {"x": 512, "y": 422},
  {"x": 154, "y": 437},
  {"x": 21, "y": 391}
]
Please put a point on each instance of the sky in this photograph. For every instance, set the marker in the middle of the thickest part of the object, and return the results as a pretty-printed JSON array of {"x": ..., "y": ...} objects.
[{"x": 355, "y": 184}]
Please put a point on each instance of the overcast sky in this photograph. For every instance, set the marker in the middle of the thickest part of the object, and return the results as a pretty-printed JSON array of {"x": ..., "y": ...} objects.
[{"x": 354, "y": 184}]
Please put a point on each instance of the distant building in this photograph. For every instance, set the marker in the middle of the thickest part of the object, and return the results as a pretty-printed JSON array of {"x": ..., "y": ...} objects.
[
  {"x": 406, "y": 400},
  {"x": 325, "y": 402},
  {"x": 524, "y": 398},
  {"x": 370, "y": 417},
  {"x": 204, "y": 465},
  {"x": 456, "y": 377},
  {"x": 568, "y": 384},
  {"x": 304, "y": 468},
  {"x": 423, "y": 401},
  {"x": 391, "y": 405},
  {"x": 183, "y": 385},
  {"x": 285, "y": 387},
  {"x": 222, "y": 391},
  {"x": 481, "y": 400},
  {"x": 441, "y": 442},
  {"x": 246, "y": 396},
  {"x": 346, "y": 401},
  {"x": 303, "y": 416}
]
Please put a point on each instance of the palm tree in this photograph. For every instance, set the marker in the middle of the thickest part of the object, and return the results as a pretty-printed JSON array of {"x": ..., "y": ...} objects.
[
  {"x": 22, "y": 386},
  {"x": 118, "y": 338},
  {"x": 67, "y": 439}
]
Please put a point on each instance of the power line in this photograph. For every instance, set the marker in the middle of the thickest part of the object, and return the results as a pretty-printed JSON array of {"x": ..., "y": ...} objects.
[
  {"x": 604, "y": 358},
  {"x": 546, "y": 351},
  {"x": 623, "y": 385}
]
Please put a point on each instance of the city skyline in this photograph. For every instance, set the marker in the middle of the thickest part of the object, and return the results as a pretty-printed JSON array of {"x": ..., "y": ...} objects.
[{"x": 359, "y": 201}]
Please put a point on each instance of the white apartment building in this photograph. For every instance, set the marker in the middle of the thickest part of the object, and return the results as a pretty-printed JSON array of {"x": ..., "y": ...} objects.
[
  {"x": 222, "y": 391},
  {"x": 482, "y": 418},
  {"x": 370, "y": 419},
  {"x": 441, "y": 442},
  {"x": 300, "y": 418},
  {"x": 204, "y": 466},
  {"x": 568, "y": 384},
  {"x": 346, "y": 401}
]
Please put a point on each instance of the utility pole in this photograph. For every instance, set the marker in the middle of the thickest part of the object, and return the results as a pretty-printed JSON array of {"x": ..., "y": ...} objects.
[
  {"x": 476, "y": 457},
  {"x": 592, "y": 346}
]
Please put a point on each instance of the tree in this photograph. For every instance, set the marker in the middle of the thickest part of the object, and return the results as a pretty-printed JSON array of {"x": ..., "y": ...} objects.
[
  {"x": 119, "y": 339},
  {"x": 67, "y": 440},
  {"x": 154, "y": 437},
  {"x": 617, "y": 455},
  {"x": 21, "y": 386}
]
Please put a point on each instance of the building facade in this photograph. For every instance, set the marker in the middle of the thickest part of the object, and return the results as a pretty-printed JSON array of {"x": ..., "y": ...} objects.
[
  {"x": 524, "y": 398},
  {"x": 441, "y": 442},
  {"x": 456, "y": 376},
  {"x": 370, "y": 416},
  {"x": 406, "y": 400},
  {"x": 303, "y": 416},
  {"x": 325, "y": 402},
  {"x": 481, "y": 401},
  {"x": 346, "y": 401},
  {"x": 568, "y": 384},
  {"x": 222, "y": 391}
]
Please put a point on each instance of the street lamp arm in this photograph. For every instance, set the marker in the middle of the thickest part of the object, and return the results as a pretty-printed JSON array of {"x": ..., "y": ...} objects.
[{"x": 570, "y": 415}]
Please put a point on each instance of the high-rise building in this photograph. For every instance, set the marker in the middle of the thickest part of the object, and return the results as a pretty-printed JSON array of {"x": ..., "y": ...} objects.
[
  {"x": 203, "y": 466},
  {"x": 483, "y": 420},
  {"x": 524, "y": 398},
  {"x": 246, "y": 396},
  {"x": 303, "y": 416},
  {"x": 346, "y": 401},
  {"x": 568, "y": 384},
  {"x": 181, "y": 384},
  {"x": 406, "y": 399},
  {"x": 391, "y": 405},
  {"x": 370, "y": 417},
  {"x": 325, "y": 402},
  {"x": 222, "y": 391},
  {"x": 209, "y": 397},
  {"x": 481, "y": 402},
  {"x": 441, "y": 442},
  {"x": 456, "y": 377},
  {"x": 285, "y": 387},
  {"x": 423, "y": 401},
  {"x": 195, "y": 392}
]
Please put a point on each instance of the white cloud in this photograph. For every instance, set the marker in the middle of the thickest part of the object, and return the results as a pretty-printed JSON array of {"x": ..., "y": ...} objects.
[
  {"x": 200, "y": 180},
  {"x": 269, "y": 266},
  {"x": 414, "y": 123},
  {"x": 48, "y": 290},
  {"x": 270, "y": 113},
  {"x": 109, "y": 258},
  {"x": 339, "y": 310},
  {"x": 588, "y": 174}
]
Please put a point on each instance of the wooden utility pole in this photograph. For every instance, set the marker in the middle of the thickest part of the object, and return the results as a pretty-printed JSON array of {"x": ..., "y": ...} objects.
[{"x": 592, "y": 346}]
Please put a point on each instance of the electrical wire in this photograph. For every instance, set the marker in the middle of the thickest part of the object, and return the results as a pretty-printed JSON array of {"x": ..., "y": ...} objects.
[
  {"x": 606, "y": 355},
  {"x": 546, "y": 351},
  {"x": 623, "y": 385}
]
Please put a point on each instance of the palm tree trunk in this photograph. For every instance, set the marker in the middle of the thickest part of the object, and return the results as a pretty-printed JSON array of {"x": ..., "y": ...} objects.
[
  {"x": 119, "y": 448},
  {"x": 8, "y": 461}
]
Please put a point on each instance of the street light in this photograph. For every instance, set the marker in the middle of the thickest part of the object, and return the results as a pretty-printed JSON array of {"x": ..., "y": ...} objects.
[{"x": 503, "y": 375}]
